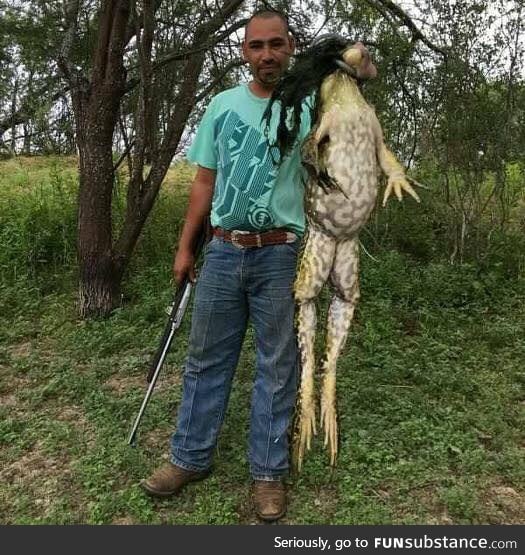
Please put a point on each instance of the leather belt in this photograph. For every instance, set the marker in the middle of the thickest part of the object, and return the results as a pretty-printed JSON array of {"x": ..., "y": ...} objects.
[{"x": 246, "y": 239}]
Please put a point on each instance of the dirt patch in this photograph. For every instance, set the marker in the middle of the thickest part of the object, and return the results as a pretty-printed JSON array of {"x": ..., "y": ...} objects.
[
  {"x": 8, "y": 400},
  {"x": 9, "y": 389},
  {"x": 499, "y": 504},
  {"x": 31, "y": 465},
  {"x": 157, "y": 439},
  {"x": 45, "y": 478},
  {"x": 327, "y": 501},
  {"x": 20, "y": 350},
  {"x": 442, "y": 518},
  {"x": 72, "y": 413},
  {"x": 124, "y": 521},
  {"x": 121, "y": 384},
  {"x": 421, "y": 500},
  {"x": 505, "y": 505},
  {"x": 246, "y": 512},
  {"x": 170, "y": 377},
  {"x": 40, "y": 476}
]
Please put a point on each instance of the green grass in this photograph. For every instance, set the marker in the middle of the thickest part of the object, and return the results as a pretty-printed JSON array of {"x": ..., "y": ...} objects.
[{"x": 430, "y": 386}]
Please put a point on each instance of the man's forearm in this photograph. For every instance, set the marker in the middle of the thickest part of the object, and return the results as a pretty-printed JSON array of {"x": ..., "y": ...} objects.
[
  {"x": 198, "y": 209},
  {"x": 195, "y": 217}
]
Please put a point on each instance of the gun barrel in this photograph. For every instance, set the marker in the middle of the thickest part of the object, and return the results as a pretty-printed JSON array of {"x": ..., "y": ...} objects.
[{"x": 163, "y": 351}]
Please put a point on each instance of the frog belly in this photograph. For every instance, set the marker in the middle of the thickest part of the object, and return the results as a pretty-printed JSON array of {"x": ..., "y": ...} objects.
[
  {"x": 350, "y": 159},
  {"x": 343, "y": 215}
]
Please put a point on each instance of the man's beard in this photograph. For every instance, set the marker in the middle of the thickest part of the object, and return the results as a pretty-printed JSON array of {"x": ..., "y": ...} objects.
[{"x": 271, "y": 77}]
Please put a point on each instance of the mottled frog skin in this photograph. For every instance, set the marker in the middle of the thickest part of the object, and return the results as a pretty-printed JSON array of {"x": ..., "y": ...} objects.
[{"x": 347, "y": 143}]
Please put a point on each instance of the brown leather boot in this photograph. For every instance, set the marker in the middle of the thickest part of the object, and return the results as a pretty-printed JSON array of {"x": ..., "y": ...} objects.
[
  {"x": 269, "y": 499},
  {"x": 169, "y": 479}
]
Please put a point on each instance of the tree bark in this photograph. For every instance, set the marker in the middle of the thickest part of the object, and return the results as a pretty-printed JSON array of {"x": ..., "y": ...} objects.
[{"x": 99, "y": 273}]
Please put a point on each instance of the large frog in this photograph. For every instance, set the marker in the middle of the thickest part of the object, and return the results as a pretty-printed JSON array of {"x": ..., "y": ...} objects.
[{"x": 343, "y": 154}]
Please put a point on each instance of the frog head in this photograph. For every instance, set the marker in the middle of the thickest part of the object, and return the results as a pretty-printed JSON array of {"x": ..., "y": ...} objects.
[{"x": 356, "y": 60}]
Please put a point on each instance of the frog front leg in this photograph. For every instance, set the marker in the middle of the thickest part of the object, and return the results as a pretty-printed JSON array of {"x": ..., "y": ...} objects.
[
  {"x": 397, "y": 181},
  {"x": 314, "y": 268},
  {"x": 312, "y": 153}
]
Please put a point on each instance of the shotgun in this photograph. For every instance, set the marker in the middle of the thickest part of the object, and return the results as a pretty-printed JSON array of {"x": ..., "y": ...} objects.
[{"x": 177, "y": 311}]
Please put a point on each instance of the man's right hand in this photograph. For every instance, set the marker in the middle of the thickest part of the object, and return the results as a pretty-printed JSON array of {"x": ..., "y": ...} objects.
[{"x": 184, "y": 265}]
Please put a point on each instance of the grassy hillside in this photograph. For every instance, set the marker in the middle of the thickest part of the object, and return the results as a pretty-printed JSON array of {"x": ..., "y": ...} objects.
[{"x": 430, "y": 384}]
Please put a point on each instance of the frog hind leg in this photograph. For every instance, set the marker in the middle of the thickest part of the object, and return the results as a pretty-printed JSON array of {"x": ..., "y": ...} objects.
[
  {"x": 345, "y": 279},
  {"x": 314, "y": 269}
]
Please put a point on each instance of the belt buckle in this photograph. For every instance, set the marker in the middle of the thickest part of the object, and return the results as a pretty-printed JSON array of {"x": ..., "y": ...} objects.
[{"x": 234, "y": 235}]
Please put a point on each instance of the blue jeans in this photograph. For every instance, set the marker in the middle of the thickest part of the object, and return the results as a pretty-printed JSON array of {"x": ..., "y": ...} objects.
[{"x": 236, "y": 284}]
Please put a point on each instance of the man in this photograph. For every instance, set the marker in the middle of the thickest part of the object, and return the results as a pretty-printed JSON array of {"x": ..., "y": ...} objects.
[{"x": 257, "y": 216}]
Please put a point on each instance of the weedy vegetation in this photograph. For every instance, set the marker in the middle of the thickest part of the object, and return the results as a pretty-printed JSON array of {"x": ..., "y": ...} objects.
[{"x": 430, "y": 385}]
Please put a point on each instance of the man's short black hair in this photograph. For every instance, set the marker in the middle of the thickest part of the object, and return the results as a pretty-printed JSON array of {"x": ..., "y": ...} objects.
[{"x": 266, "y": 13}]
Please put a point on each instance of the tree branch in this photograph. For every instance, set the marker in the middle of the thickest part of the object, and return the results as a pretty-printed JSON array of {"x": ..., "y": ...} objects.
[
  {"x": 185, "y": 101},
  {"x": 144, "y": 105},
  {"x": 132, "y": 29},
  {"x": 225, "y": 70},
  {"x": 407, "y": 21},
  {"x": 181, "y": 55},
  {"x": 28, "y": 108},
  {"x": 63, "y": 61},
  {"x": 123, "y": 156}
]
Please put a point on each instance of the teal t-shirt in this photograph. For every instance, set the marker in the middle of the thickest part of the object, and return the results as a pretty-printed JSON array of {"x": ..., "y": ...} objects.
[{"x": 252, "y": 192}]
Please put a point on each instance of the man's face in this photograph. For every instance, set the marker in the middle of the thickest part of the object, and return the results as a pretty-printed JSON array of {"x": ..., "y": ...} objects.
[{"x": 267, "y": 47}]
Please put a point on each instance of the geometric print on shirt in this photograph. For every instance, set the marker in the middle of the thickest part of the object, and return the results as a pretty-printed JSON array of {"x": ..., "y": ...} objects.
[{"x": 245, "y": 163}]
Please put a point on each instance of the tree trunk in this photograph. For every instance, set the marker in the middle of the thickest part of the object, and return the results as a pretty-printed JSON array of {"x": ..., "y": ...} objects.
[
  {"x": 99, "y": 273},
  {"x": 96, "y": 106},
  {"x": 100, "y": 268},
  {"x": 13, "y": 113},
  {"x": 27, "y": 140}
]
